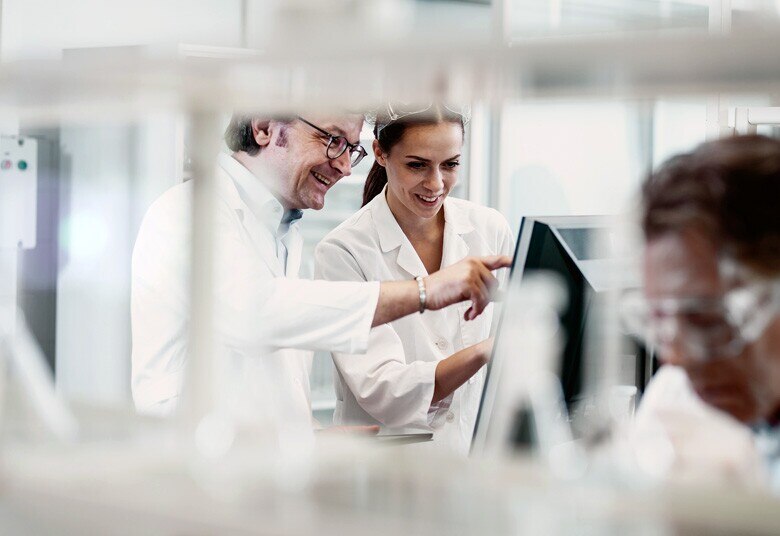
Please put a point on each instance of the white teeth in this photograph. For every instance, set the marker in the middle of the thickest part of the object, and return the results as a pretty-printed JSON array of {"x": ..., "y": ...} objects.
[
  {"x": 320, "y": 178},
  {"x": 428, "y": 199}
]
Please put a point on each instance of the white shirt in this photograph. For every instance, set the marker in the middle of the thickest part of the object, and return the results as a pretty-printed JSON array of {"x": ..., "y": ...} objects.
[
  {"x": 393, "y": 383},
  {"x": 266, "y": 321},
  {"x": 678, "y": 436}
]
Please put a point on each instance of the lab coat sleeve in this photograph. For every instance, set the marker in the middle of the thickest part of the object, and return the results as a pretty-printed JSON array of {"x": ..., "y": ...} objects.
[
  {"x": 159, "y": 305},
  {"x": 254, "y": 311},
  {"x": 395, "y": 393},
  {"x": 321, "y": 315}
]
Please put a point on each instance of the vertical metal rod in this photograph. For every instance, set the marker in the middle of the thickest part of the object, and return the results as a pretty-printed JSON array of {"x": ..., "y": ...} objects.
[
  {"x": 479, "y": 176},
  {"x": 719, "y": 23},
  {"x": 1, "y": 30},
  {"x": 244, "y": 21},
  {"x": 499, "y": 187},
  {"x": 8, "y": 278},
  {"x": 8, "y": 289},
  {"x": 499, "y": 20},
  {"x": 741, "y": 120},
  {"x": 199, "y": 396},
  {"x": 645, "y": 136}
]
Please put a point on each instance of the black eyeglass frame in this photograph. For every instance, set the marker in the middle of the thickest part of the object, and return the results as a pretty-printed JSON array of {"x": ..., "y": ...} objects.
[{"x": 354, "y": 148}]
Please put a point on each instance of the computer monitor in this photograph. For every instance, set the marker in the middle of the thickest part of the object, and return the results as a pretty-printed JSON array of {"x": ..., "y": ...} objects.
[{"x": 589, "y": 258}]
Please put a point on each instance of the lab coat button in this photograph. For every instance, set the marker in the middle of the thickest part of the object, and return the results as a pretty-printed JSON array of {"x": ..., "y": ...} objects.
[
  {"x": 441, "y": 344},
  {"x": 450, "y": 416}
]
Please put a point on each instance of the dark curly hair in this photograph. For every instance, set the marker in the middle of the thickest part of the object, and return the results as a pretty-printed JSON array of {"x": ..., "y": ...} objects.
[{"x": 730, "y": 190}]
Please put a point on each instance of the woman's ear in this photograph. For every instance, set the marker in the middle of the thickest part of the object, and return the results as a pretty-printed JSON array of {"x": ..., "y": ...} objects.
[
  {"x": 379, "y": 156},
  {"x": 261, "y": 131}
]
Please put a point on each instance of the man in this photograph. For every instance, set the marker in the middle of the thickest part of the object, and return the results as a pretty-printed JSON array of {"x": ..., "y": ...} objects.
[
  {"x": 712, "y": 287},
  {"x": 266, "y": 320}
]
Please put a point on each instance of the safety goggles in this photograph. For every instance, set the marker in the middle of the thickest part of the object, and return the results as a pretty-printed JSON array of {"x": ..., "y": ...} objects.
[
  {"x": 394, "y": 111},
  {"x": 703, "y": 327}
]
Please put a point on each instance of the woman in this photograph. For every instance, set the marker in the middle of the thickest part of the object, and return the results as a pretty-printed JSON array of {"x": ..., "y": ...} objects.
[{"x": 423, "y": 371}]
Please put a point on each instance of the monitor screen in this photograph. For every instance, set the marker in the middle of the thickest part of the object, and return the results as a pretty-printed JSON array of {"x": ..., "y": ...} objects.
[
  {"x": 587, "y": 259},
  {"x": 545, "y": 252}
]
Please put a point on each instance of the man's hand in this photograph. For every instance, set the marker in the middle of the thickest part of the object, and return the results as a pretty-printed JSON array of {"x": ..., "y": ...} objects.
[{"x": 469, "y": 279}]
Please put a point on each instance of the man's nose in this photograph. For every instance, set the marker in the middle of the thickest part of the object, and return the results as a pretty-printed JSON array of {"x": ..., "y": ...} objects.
[
  {"x": 342, "y": 164},
  {"x": 676, "y": 350},
  {"x": 670, "y": 355}
]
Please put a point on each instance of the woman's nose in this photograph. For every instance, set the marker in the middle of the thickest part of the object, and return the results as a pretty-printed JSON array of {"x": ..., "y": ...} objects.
[{"x": 434, "y": 182}]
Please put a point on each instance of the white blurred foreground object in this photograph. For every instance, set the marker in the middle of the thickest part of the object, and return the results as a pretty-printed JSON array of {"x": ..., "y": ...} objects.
[
  {"x": 523, "y": 396},
  {"x": 353, "y": 489},
  {"x": 349, "y": 19},
  {"x": 22, "y": 363},
  {"x": 29, "y": 370}
]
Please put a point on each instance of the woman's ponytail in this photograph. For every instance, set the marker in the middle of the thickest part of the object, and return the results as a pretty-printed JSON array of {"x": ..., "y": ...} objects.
[{"x": 375, "y": 182}]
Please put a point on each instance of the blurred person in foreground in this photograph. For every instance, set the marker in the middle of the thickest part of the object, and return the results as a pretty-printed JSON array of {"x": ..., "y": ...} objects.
[
  {"x": 266, "y": 320},
  {"x": 711, "y": 220}
]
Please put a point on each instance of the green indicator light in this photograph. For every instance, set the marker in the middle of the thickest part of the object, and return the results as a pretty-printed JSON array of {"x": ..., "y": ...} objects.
[{"x": 22, "y": 164}]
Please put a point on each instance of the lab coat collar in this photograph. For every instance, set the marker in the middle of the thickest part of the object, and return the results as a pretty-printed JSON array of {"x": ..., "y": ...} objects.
[
  {"x": 456, "y": 218},
  {"x": 259, "y": 211},
  {"x": 457, "y": 222},
  {"x": 391, "y": 236},
  {"x": 246, "y": 190}
]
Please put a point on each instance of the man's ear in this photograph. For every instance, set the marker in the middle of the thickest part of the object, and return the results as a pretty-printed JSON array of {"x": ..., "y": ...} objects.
[
  {"x": 378, "y": 154},
  {"x": 261, "y": 131}
]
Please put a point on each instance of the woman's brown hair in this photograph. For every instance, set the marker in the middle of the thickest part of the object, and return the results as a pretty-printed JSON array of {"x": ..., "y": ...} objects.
[{"x": 389, "y": 132}]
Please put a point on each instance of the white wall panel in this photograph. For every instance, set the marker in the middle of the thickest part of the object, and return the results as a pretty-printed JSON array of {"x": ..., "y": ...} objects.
[{"x": 43, "y": 28}]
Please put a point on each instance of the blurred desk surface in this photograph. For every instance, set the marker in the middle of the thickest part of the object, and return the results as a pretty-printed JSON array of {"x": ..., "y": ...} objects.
[{"x": 343, "y": 487}]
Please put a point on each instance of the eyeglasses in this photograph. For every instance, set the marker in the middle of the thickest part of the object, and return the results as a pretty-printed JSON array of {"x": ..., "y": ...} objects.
[
  {"x": 704, "y": 328},
  {"x": 338, "y": 144},
  {"x": 398, "y": 110}
]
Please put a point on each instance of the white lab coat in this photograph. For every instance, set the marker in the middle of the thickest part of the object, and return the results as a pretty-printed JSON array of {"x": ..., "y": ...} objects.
[
  {"x": 678, "y": 436},
  {"x": 393, "y": 383},
  {"x": 266, "y": 320}
]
